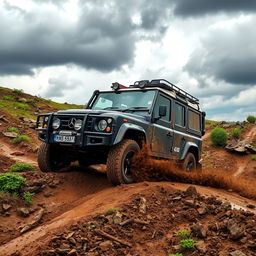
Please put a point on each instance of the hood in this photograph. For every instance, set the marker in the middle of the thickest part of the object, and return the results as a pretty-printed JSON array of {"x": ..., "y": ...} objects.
[{"x": 109, "y": 113}]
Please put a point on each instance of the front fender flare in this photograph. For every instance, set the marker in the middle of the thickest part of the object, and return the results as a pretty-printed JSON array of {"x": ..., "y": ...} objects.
[
  {"x": 124, "y": 128},
  {"x": 188, "y": 145}
]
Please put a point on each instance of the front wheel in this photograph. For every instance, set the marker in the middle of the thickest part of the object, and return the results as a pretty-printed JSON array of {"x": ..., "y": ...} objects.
[
  {"x": 189, "y": 163},
  {"x": 119, "y": 162},
  {"x": 51, "y": 158}
]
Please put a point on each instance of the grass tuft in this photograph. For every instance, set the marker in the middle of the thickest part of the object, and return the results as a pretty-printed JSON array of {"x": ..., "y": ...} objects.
[
  {"x": 21, "y": 167},
  {"x": 12, "y": 129},
  {"x": 28, "y": 197},
  {"x": 21, "y": 138}
]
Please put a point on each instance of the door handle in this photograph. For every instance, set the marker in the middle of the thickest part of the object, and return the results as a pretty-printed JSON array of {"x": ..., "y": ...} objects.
[{"x": 169, "y": 134}]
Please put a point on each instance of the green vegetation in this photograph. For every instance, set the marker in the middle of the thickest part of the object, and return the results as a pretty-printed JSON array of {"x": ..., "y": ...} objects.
[
  {"x": 254, "y": 157},
  {"x": 31, "y": 101},
  {"x": 28, "y": 197},
  {"x": 110, "y": 211},
  {"x": 92, "y": 227},
  {"x": 21, "y": 106},
  {"x": 236, "y": 132},
  {"x": 20, "y": 138},
  {"x": 12, "y": 129},
  {"x": 187, "y": 243},
  {"x": 11, "y": 182},
  {"x": 176, "y": 254},
  {"x": 185, "y": 233},
  {"x": 251, "y": 119},
  {"x": 219, "y": 136},
  {"x": 7, "y": 97},
  {"x": 17, "y": 91},
  {"x": 21, "y": 167}
]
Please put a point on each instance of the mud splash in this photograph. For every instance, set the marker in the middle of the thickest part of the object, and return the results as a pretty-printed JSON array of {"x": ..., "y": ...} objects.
[{"x": 145, "y": 168}]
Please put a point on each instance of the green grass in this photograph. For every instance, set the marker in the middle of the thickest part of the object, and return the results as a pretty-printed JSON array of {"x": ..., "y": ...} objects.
[
  {"x": 175, "y": 254},
  {"x": 92, "y": 227},
  {"x": 18, "y": 91},
  {"x": 8, "y": 97},
  {"x": 12, "y": 129},
  {"x": 187, "y": 243},
  {"x": 185, "y": 233},
  {"x": 21, "y": 138},
  {"x": 21, "y": 167},
  {"x": 110, "y": 211},
  {"x": 11, "y": 182},
  {"x": 28, "y": 197},
  {"x": 219, "y": 137},
  {"x": 236, "y": 132},
  {"x": 254, "y": 157},
  {"x": 21, "y": 106}
]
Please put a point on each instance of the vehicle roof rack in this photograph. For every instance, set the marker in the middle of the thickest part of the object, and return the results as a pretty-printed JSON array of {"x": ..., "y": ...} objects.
[{"x": 164, "y": 84}]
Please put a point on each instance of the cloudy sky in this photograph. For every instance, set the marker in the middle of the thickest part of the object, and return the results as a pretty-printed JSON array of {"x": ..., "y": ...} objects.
[{"x": 65, "y": 49}]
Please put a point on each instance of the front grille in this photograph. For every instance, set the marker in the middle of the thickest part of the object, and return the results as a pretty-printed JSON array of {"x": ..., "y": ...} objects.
[
  {"x": 89, "y": 124},
  {"x": 66, "y": 122}
]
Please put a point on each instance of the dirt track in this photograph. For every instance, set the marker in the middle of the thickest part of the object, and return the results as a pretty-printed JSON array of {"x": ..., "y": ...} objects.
[{"x": 84, "y": 193}]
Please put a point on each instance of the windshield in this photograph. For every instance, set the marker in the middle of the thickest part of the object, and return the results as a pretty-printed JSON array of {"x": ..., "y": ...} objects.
[{"x": 125, "y": 100}]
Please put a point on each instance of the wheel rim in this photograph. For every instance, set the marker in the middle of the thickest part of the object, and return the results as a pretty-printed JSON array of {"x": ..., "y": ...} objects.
[{"x": 127, "y": 165}]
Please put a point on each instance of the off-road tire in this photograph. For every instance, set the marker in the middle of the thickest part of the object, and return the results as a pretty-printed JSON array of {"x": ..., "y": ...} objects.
[
  {"x": 45, "y": 158},
  {"x": 115, "y": 162},
  {"x": 189, "y": 163}
]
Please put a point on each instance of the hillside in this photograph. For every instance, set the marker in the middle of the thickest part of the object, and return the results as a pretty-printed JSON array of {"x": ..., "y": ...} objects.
[{"x": 77, "y": 211}]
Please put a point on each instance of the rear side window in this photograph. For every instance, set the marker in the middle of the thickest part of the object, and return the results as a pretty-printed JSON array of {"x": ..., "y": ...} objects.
[
  {"x": 193, "y": 121},
  {"x": 179, "y": 115}
]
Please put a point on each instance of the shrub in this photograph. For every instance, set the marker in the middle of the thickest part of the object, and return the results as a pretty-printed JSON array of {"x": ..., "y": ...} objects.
[
  {"x": 21, "y": 106},
  {"x": 12, "y": 129},
  {"x": 187, "y": 243},
  {"x": 11, "y": 182},
  {"x": 236, "y": 132},
  {"x": 20, "y": 138},
  {"x": 21, "y": 167},
  {"x": 254, "y": 157},
  {"x": 7, "y": 97},
  {"x": 17, "y": 91},
  {"x": 110, "y": 211},
  {"x": 31, "y": 101},
  {"x": 219, "y": 136},
  {"x": 28, "y": 197},
  {"x": 251, "y": 119},
  {"x": 183, "y": 233}
]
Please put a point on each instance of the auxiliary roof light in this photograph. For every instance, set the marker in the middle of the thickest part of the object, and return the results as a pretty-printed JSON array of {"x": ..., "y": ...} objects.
[
  {"x": 115, "y": 86},
  {"x": 143, "y": 83}
]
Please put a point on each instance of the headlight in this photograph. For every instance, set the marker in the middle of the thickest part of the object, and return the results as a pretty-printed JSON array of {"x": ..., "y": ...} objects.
[
  {"x": 56, "y": 123},
  {"x": 78, "y": 124},
  {"x": 102, "y": 125}
]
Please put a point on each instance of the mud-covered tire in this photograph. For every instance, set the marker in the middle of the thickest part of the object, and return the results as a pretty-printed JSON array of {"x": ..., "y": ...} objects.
[
  {"x": 189, "y": 163},
  {"x": 118, "y": 162},
  {"x": 47, "y": 158}
]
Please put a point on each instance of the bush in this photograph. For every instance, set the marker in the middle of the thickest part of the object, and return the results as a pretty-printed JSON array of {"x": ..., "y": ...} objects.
[
  {"x": 21, "y": 106},
  {"x": 7, "y": 97},
  {"x": 12, "y": 129},
  {"x": 251, "y": 119},
  {"x": 183, "y": 233},
  {"x": 28, "y": 197},
  {"x": 11, "y": 182},
  {"x": 20, "y": 138},
  {"x": 17, "y": 91},
  {"x": 219, "y": 137},
  {"x": 236, "y": 132},
  {"x": 254, "y": 157},
  {"x": 21, "y": 167},
  {"x": 187, "y": 243}
]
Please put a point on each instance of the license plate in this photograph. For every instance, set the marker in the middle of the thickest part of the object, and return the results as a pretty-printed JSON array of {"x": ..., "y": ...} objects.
[{"x": 67, "y": 139}]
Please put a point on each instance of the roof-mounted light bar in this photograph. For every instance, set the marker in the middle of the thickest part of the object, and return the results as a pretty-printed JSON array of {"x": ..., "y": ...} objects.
[{"x": 116, "y": 86}]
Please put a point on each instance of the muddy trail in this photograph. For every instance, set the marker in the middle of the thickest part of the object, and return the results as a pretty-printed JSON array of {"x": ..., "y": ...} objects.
[{"x": 75, "y": 194}]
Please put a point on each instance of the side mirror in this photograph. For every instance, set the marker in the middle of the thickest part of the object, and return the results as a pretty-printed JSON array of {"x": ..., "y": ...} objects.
[{"x": 162, "y": 111}]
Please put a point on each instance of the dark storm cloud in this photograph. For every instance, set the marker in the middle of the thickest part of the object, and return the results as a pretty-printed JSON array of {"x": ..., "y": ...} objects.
[
  {"x": 227, "y": 54},
  {"x": 103, "y": 37},
  {"x": 202, "y": 7}
]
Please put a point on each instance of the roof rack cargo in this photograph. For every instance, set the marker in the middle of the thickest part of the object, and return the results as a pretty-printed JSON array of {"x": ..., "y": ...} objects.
[{"x": 164, "y": 84}]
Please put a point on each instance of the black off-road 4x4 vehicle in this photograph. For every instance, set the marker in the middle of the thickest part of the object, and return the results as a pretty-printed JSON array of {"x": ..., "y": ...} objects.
[{"x": 116, "y": 123}]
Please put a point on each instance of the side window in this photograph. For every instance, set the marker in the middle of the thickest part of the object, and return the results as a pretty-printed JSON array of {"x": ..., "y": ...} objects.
[
  {"x": 163, "y": 101},
  {"x": 179, "y": 115},
  {"x": 193, "y": 120}
]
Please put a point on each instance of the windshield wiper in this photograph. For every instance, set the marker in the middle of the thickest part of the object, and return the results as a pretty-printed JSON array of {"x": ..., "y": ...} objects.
[
  {"x": 136, "y": 109},
  {"x": 115, "y": 108}
]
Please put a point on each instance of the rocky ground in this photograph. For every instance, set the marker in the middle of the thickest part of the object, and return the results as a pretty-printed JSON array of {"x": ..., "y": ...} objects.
[{"x": 77, "y": 212}]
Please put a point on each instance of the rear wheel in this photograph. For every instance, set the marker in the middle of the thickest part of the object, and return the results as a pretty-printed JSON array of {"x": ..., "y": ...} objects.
[
  {"x": 51, "y": 158},
  {"x": 189, "y": 163},
  {"x": 119, "y": 162}
]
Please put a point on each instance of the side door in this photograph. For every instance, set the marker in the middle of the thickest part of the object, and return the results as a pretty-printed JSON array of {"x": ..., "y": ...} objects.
[
  {"x": 180, "y": 134},
  {"x": 161, "y": 144}
]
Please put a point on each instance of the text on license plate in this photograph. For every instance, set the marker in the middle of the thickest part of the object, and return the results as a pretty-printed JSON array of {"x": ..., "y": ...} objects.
[{"x": 62, "y": 138}]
